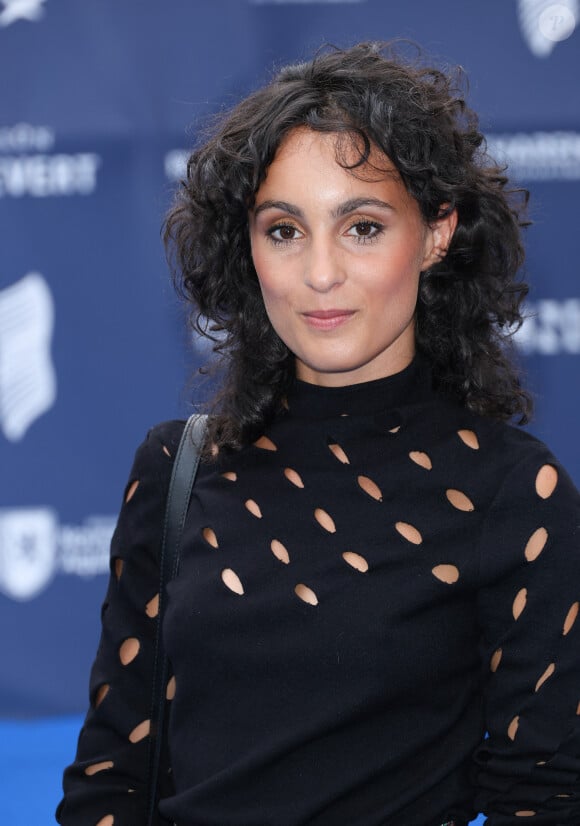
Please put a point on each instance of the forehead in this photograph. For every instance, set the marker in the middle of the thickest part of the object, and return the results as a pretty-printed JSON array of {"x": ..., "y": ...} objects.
[
  {"x": 326, "y": 167},
  {"x": 346, "y": 149}
]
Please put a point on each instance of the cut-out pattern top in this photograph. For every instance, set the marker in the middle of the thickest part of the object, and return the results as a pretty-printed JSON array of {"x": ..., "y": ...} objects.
[{"x": 374, "y": 584}]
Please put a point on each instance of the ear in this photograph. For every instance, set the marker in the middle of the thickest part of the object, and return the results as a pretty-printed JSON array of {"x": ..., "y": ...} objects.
[{"x": 440, "y": 234}]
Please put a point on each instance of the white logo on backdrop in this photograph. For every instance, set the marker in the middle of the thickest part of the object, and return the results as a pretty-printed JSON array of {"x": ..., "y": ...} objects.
[
  {"x": 551, "y": 328},
  {"x": 175, "y": 164},
  {"x": 27, "y": 551},
  {"x": 28, "y": 168},
  {"x": 538, "y": 156},
  {"x": 544, "y": 23},
  {"x": 34, "y": 547},
  {"x": 41, "y": 176},
  {"x": 15, "y": 10},
  {"x": 27, "y": 376},
  {"x": 25, "y": 137}
]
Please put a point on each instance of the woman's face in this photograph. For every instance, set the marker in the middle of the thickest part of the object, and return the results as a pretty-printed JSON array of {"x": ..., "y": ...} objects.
[{"x": 338, "y": 257}]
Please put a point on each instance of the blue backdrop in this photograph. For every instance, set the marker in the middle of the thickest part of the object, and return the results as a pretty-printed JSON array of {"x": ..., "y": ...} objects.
[{"x": 99, "y": 101}]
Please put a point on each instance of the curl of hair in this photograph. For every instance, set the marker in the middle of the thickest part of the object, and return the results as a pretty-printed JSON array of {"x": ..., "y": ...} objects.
[{"x": 469, "y": 303}]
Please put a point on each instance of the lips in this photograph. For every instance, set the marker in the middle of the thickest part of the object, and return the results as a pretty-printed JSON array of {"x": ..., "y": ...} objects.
[{"x": 327, "y": 319}]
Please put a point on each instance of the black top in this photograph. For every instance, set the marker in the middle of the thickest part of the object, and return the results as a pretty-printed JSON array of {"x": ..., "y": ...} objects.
[{"x": 364, "y": 592}]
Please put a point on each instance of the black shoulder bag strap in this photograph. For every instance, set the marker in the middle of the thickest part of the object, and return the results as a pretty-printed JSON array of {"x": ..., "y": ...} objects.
[{"x": 180, "y": 487}]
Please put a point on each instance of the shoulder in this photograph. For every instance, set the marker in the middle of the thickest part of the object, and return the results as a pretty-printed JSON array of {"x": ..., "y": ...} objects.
[
  {"x": 499, "y": 445},
  {"x": 532, "y": 508},
  {"x": 141, "y": 515},
  {"x": 152, "y": 464},
  {"x": 496, "y": 464},
  {"x": 156, "y": 452},
  {"x": 166, "y": 433},
  {"x": 517, "y": 454},
  {"x": 530, "y": 482}
]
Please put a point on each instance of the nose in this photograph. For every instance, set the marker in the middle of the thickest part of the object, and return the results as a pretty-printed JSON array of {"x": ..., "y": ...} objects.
[{"x": 324, "y": 266}]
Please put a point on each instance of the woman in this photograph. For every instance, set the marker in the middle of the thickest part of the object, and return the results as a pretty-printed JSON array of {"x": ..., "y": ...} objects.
[{"x": 377, "y": 569}]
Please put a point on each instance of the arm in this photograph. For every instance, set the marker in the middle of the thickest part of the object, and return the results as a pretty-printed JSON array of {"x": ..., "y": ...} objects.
[
  {"x": 109, "y": 776},
  {"x": 528, "y": 769}
]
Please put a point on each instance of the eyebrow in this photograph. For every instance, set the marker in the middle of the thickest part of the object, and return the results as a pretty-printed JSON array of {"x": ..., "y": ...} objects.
[
  {"x": 358, "y": 203},
  {"x": 284, "y": 206},
  {"x": 341, "y": 210}
]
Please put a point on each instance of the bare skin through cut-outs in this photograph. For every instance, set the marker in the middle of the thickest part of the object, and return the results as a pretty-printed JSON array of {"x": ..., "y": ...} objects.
[
  {"x": 140, "y": 732},
  {"x": 495, "y": 660},
  {"x": 152, "y": 607},
  {"x": 356, "y": 561},
  {"x": 232, "y": 581},
  {"x": 459, "y": 500},
  {"x": 170, "y": 691},
  {"x": 469, "y": 438},
  {"x": 421, "y": 459},
  {"x": 98, "y": 767},
  {"x": 280, "y": 551},
  {"x": 101, "y": 694},
  {"x": 325, "y": 520},
  {"x": 306, "y": 594},
  {"x": 536, "y": 544},
  {"x": 513, "y": 728},
  {"x": 210, "y": 537},
  {"x": 446, "y": 573},
  {"x": 131, "y": 490},
  {"x": 546, "y": 481},
  {"x": 409, "y": 532},
  {"x": 370, "y": 487},
  {"x": 293, "y": 477},
  {"x": 519, "y": 603},
  {"x": 129, "y": 650},
  {"x": 253, "y": 508},
  {"x": 571, "y": 618},
  {"x": 264, "y": 443},
  {"x": 339, "y": 453},
  {"x": 545, "y": 676}
]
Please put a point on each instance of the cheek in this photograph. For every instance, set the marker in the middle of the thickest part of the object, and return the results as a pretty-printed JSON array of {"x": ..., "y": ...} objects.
[
  {"x": 278, "y": 306},
  {"x": 263, "y": 268},
  {"x": 274, "y": 277},
  {"x": 271, "y": 293},
  {"x": 273, "y": 296},
  {"x": 399, "y": 278}
]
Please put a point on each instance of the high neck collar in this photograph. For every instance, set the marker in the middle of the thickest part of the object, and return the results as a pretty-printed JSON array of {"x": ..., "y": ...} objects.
[{"x": 368, "y": 398}]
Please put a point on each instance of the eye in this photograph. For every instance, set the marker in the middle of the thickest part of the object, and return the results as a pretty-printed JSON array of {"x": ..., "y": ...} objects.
[
  {"x": 365, "y": 230},
  {"x": 282, "y": 233}
]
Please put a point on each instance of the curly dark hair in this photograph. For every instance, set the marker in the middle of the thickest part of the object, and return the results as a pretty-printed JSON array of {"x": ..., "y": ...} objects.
[{"x": 469, "y": 303}]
